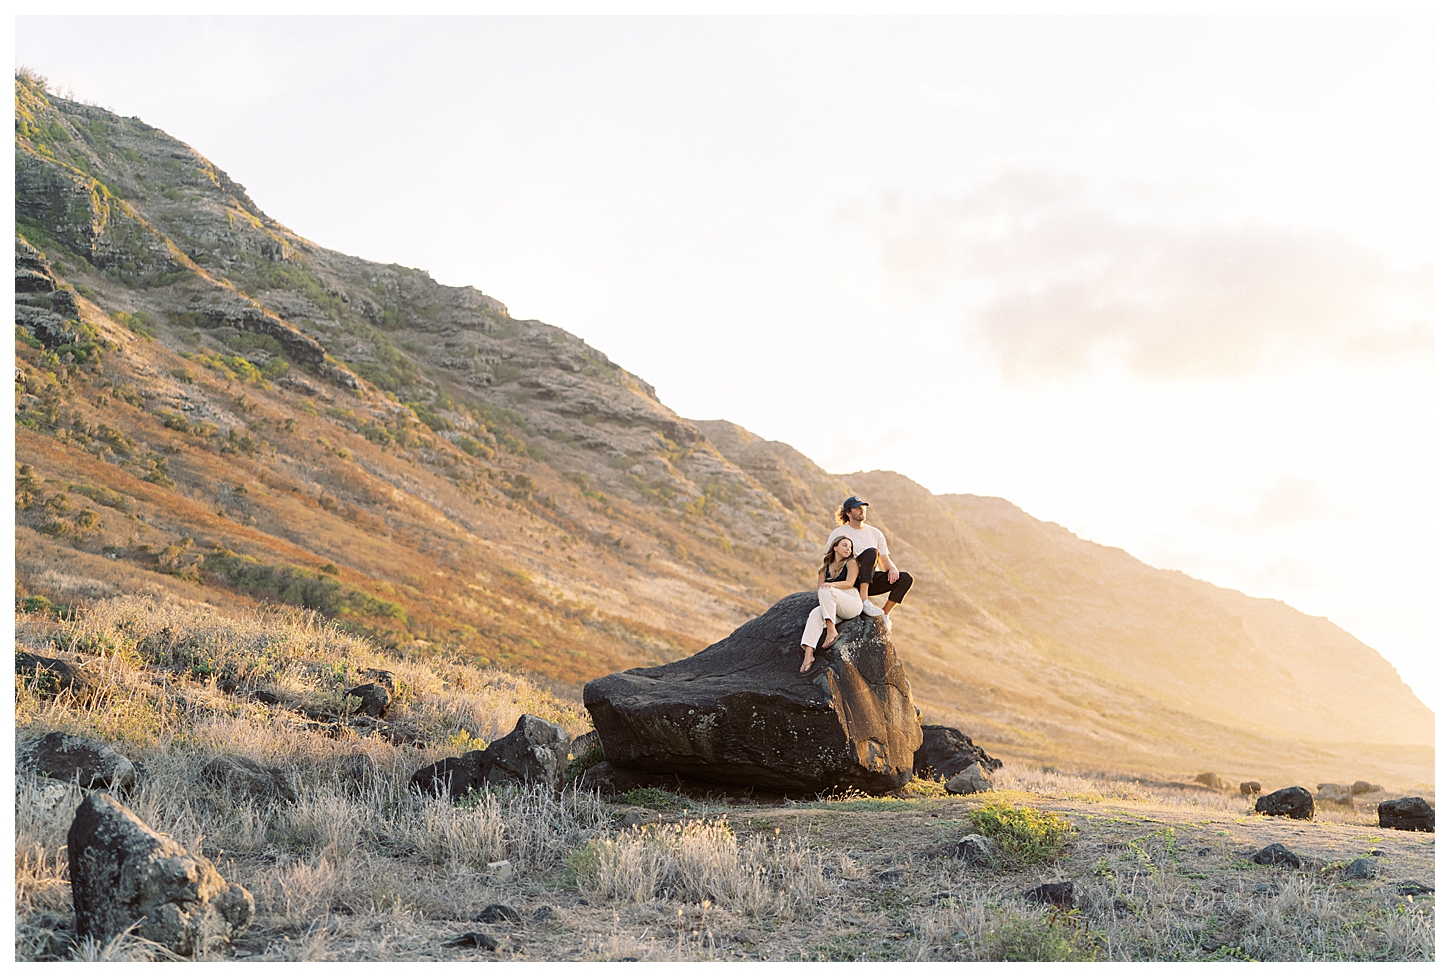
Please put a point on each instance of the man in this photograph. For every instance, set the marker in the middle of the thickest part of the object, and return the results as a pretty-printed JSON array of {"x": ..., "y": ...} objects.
[{"x": 870, "y": 545}]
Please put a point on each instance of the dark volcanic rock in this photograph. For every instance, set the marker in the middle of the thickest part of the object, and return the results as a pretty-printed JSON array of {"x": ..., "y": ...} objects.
[
  {"x": 1407, "y": 814},
  {"x": 946, "y": 752},
  {"x": 1361, "y": 868},
  {"x": 477, "y": 941},
  {"x": 62, "y": 756},
  {"x": 374, "y": 699},
  {"x": 740, "y": 712},
  {"x": 608, "y": 779},
  {"x": 123, "y": 873},
  {"x": 249, "y": 776},
  {"x": 1277, "y": 854},
  {"x": 454, "y": 776},
  {"x": 1052, "y": 893},
  {"x": 498, "y": 913},
  {"x": 537, "y": 751},
  {"x": 1291, "y": 802},
  {"x": 54, "y": 674}
]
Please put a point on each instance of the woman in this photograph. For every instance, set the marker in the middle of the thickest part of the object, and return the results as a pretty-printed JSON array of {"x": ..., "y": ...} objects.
[{"x": 839, "y": 601}]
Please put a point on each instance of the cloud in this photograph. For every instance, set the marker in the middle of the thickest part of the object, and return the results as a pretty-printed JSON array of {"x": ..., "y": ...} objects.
[
  {"x": 1059, "y": 277},
  {"x": 1291, "y": 500}
]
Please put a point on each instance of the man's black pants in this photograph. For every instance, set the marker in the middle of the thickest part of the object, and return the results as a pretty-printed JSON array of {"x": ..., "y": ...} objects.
[{"x": 879, "y": 584}]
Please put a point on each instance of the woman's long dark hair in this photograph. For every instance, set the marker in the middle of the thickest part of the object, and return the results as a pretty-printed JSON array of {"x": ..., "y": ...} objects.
[{"x": 831, "y": 553}]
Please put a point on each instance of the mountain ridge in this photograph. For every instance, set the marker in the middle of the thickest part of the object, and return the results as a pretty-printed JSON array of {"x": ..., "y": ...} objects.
[{"x": 499, "y": 487}]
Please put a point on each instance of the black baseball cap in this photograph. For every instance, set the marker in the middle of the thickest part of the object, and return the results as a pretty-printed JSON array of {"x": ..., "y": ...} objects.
[{"x": 852, "y": 503}]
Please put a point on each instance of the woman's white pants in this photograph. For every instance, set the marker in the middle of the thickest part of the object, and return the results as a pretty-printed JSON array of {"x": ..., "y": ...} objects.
[{"x": 835, "y": 604}]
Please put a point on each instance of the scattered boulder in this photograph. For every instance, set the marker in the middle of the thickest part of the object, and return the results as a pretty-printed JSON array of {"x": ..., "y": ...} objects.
[
  {"x": 1414, "y": 888},
  {"x": 1334, "y": 794},
  {"x": 740, "y": 712},
  {"x": 454, "y": 776},
  {"x": 1053, "y": 894},
  {"x": 374, "y": 699},
  {"x": 1289, "y": 802},
  {"x": 384, "y": 678},
  {"x": 123, "y": 874},
  {"x": 1365, "y": 787},
  {"x": 1250, "y": 787},
  {"x": 54, "y": 675},
  {"x": 1277, "y": 854},
  {"x": 970, "y": 781},
  {"x": 249, "y": 776},
  {"x": 1212, "y": 780},
  {"x": 500, "y": 871},
  {"x": 543, "y": 914},
  {"x": 535, "y": 752},
  {"x": 946, "y": 752},
  {"x": 1361, "y": 868},
  {"x": 975, "y": 850},
  {"x": 63, "y": 756},
  {"x": 266, "y": 698},
  {"x": 1407, "y": 814},
  {"x": 498, "y": 913},
  {"x": 608, "y": 779}
]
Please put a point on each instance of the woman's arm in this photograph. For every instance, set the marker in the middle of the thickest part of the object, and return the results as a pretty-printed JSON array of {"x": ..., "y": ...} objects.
[
  {"x": 849, "y": 583},
  {"x": 820, "y": 578}
]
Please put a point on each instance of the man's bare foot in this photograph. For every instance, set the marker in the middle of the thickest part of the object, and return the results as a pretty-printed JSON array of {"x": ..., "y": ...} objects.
[
  {"x": 887, "y": 607},
  {"x": 831, "y": 635},
  {"x": 810, "y": 660}
]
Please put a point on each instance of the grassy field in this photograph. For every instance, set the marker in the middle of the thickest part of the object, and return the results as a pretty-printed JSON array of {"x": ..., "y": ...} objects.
[{"x": 359, "y": 868}]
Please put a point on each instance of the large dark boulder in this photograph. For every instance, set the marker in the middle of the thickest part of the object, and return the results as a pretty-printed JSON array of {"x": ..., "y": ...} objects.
[
  {"x": 740, "y": 712},
  {"x": 123, "y": 874},
  {"x": 65, "y": 756},
  {"x": 1407, "y": 814},
  {"x": 1291, "y": 802},
  {"x": 536, "y": 751},
  {"x": 946, "y": 752}
]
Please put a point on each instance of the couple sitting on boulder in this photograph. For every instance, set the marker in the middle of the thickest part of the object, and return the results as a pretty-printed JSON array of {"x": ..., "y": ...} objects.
[{"x": 848, "y": 575}]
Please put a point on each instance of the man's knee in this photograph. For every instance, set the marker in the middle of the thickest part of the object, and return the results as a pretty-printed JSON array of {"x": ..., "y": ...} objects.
[{"x": 902, "y": 585}]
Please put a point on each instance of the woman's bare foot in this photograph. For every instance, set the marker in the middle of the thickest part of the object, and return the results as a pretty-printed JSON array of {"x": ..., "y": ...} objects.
[
  {"x": 810, "y": 659},
  {"x": 831, "y": 634}
]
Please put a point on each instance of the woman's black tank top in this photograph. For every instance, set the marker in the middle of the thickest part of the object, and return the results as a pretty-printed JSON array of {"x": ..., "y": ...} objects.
[{"x": 839, "y": 576}]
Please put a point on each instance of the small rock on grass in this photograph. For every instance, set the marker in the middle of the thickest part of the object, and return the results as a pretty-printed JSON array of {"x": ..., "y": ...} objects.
[
  {"x": 1291, "y": 802},
  {"x": 252, "y": 777},
  {"x": 1052, "y": 893},
  {"x": 500, "y": 871},
  {"x": 498, "y": 913},
  {"x": 1414, "y": 888},
  {"x": 474, "y": 940},
  {"x": 1277, "y": 854},
  {"x": 91, "y": 763},
  {"x": 975, "y": 850},
  {"x": 970, "y": 781},
  {"x": 544, "y": 914},
  {"x": 1407, "y": 814},
  {"x": 1361, "y": 868}
]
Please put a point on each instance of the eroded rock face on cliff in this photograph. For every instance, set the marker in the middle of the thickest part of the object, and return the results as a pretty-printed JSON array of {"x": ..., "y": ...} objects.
[{"x": 740, "y": 712}]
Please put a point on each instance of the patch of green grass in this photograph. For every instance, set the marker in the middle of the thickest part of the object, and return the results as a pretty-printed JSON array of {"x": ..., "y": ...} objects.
[
  {"x": 1025, "y": 835},
  {"x": 581, "y": 763},
  {"x": 1058, "y": 938},
  {"x": 652, "y": 798}
]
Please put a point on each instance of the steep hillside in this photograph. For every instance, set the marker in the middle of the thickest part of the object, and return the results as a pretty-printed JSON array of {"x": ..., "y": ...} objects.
[{"x": 213, "y": 408}]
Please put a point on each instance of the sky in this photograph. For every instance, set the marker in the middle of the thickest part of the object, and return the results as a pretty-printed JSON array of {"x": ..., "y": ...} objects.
[{"x": 1167, "y": 282}]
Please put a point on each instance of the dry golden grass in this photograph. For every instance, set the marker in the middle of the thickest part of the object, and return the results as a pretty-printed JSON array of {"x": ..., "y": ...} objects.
[{"x": 360, "y": 868}]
